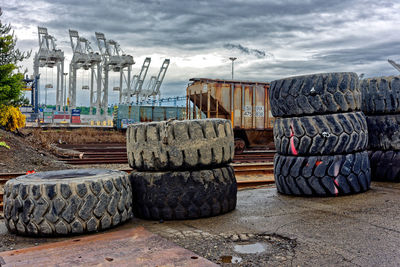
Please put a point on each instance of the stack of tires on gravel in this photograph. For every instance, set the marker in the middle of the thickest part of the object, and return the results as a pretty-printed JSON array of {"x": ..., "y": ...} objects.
[
  {"x": 381, "y": 105},
  {"x": 182, "y": 169},
  {"x": 67, "y": 202},
  {"x": 320, "y": 135}
]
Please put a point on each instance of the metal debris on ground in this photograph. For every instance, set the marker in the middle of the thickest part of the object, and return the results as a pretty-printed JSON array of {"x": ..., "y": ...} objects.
[{"x": 132, "y": 247}]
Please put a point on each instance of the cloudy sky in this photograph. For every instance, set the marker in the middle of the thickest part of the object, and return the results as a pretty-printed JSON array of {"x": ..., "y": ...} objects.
[{"x": 272, "y": 38}]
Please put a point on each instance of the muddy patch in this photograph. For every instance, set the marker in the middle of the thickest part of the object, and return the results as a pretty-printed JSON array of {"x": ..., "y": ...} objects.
[{"x": 235, "y": 249}]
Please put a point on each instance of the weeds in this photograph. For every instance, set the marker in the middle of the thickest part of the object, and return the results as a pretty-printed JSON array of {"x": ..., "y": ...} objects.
[{"x": 4, "y": 144}]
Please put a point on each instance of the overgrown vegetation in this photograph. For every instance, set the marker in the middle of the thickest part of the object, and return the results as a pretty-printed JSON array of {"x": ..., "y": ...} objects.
[
  {"x": 11, "y": 117},
  {"x": 11, "y": 82}
]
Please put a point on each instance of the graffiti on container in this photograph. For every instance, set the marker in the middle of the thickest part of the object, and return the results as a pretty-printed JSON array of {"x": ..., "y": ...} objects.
[
  {"x": 259, "y": 111},
  {"x": 126, "y": 122},
  {"x": 247, "y": 111}
]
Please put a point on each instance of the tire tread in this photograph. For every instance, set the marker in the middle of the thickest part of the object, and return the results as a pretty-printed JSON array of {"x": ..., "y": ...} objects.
[
  {"x": 177, "y": 195},
  {"x": 328, "y": 180},
  {"x": 334, "y": 92},
  {"x": 64, "y": 207}
]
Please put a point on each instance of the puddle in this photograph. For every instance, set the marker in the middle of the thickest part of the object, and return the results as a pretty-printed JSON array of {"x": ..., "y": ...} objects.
[
  {"x": 230, "y": 259},
  {"x": 251, "y": 248}
]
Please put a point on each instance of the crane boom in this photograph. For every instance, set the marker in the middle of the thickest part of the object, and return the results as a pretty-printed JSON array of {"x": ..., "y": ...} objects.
[
  {"x": 160, "y": 77},
  {"x": 101, "y": 43},
  {"x": 153, "y": 86},
  {"x": 394, "y": 64},
  {"x": 140, "y": 78}
]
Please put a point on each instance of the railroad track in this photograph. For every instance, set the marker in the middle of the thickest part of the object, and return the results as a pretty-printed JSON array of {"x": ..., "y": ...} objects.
[
  {"x": 255, "y": 156},
  {"x": 98, "y": 147},
  {"x": 115, "y": 153},
  {"x": 248, "y": 175}
]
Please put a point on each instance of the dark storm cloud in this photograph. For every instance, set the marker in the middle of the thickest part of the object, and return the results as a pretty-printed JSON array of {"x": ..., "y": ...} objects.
[
  {"x": 184, "y": 23},
  {"x": 282, "y": 37},
  {"x": 247, "y": 51},
  {"x": 363, "y": 54}
]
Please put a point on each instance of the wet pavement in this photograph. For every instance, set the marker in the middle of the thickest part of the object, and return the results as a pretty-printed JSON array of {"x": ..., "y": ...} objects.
[{"x": 276, "y": 230}]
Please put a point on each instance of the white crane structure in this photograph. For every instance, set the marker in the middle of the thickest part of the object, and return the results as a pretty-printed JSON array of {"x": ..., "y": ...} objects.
[
  {"x": 394, "y": 64},
  {"x": 137, "y": 80},
  {"x": 153, "y": 87},
  {"x": 114, "y": 59},
  {"x": 49, "y": 56},
  {"x": 97, "y": 65},
  {"x": 84, "y": 58}
]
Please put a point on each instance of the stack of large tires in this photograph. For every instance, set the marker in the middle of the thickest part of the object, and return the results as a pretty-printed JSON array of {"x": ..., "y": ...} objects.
[
  {"x": 67, "y": 202},
  {"x": 381, "y": 105},
  {"x": 320, "y": 135},
  {"x": 182, "y": 169}
]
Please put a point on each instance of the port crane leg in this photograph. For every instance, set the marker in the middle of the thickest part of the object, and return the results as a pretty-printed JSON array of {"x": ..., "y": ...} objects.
[
  {"x": 91, "y": 90},
  {"x": 129, "y": 89},
  {"x": 58, "y": 96},
  {"x": 98, "y": 91},
  {"x": 104, "y": 101},
  {"x": 121, "y": 73},
  {"x": 61, "y": 77}
]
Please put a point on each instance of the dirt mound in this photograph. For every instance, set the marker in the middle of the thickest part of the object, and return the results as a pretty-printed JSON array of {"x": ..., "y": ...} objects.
[
  {"x": 25, "y": 155},
  {"x": 74, "y": 136}
]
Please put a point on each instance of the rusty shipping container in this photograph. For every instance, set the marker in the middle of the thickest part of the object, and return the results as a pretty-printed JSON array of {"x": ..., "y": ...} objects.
[{"x": 245, "y": 103}]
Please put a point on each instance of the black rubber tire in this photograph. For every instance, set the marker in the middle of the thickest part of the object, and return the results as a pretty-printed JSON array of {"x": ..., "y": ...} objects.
[
  {"x": 67, "y": 202},
  {"x": 384, "y": 132},
  {"x": 340, "y": 133},
  {"x": 183, "y": 195},
  {"x": 315, "y": 94},
  {"x": 322, "y": 175},
  {"x": 385, "y": 165},
  {"x": 180, "y": 145},
  {"x": 381, "y": 95}
]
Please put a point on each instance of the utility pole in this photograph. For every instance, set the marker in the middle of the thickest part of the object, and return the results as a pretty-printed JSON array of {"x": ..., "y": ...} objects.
[{"x": 232, "y": 59}]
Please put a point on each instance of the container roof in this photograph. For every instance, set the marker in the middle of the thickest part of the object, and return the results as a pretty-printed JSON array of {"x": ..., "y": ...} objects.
[{"x": 207, "y": 80}]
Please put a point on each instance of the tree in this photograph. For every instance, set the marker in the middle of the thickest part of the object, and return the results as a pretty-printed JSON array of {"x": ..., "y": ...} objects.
[
  {"x": 10, "y": 86},
  {"x": 11, "y": 83}
]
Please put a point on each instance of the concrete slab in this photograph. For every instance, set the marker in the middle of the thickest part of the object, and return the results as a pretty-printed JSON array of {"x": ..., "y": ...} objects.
[{"x": 358, "y": 230}]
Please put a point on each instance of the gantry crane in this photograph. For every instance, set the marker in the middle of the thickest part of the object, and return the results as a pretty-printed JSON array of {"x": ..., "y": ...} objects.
[
  {"x": 153, "y": 88},
  {"x": 394, "y": 64},
  {"x": 114, "y": 59},
  {"x": 49, "y": 56},
  {"x": 84, "y": 57},
  {"x": 137, "y": 80}
]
